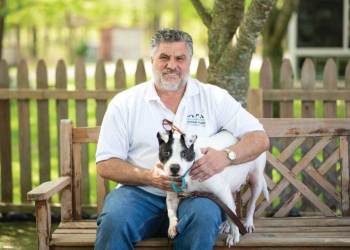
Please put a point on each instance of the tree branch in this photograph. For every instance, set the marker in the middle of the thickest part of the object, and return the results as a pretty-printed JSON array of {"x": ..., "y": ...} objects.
[
  {"x": 202, "y": 12},
  {"x": 239, "y": 54},
  {"x": 289, "y": 6}
]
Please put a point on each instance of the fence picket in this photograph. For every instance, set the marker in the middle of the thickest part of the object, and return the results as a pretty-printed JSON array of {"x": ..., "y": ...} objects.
[
  {"x": 61, "y": 105},
  {"x": 286, "y": 82},
  {"x": 5, "y": 138},
  {"x": 347, "y": 86},
  {"x": 308, "y": 80},
  {"x": 43, "y": 124},
  {"x": 24, "y": 133},
  {"x": 330, "y": 82},
  {"x": 266, "y": 83},
  {"x": 100, "y": 84},
  {"x": 330, "y": 111},
  {"x": 202, "y": 73},
  {"x": 140, "y": 75},
  {"x": 81, "y": 118},
  {"x": 120, "y": 75},
  {"x": 101, "y": 105}
]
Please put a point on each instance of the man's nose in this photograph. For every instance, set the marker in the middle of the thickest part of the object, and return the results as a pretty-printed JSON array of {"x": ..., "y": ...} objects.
[
  {"x": 174, "y": 168},
  {"x": 171, "y": 64}
]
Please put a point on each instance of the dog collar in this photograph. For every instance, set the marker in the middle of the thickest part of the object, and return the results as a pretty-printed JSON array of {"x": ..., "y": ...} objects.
[{"x": 180, "y": 189}]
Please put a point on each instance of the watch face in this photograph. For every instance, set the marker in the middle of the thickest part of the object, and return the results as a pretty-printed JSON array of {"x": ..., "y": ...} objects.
[{"x": 232, "y": 155}]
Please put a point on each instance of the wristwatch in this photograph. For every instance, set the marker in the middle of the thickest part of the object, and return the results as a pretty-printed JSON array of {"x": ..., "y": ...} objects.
[{"x": 231, "y": 155}]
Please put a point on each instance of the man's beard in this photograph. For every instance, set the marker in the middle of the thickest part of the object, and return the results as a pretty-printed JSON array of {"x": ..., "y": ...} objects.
[{"x": 170, "y": 86}]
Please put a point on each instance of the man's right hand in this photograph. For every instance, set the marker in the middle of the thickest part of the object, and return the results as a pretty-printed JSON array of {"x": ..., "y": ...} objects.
[{"x": 159, "y": 179}]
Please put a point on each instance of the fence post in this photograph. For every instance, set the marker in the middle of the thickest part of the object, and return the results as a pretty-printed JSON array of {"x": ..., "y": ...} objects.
[
  {"x": 266, "y": 80},
  {"x": 5, "y": 139},
  {"x": 24, "y": 133},
  {"x": 43, "y": 124},
  {"x": 81, "y": 118}
]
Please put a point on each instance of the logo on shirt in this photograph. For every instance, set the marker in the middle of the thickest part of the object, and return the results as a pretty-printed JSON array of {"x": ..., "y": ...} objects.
[{"x": 196, "y": 120}]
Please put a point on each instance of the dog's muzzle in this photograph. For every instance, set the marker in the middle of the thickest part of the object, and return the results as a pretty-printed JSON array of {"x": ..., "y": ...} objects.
[{"x": 174, "y": 169}]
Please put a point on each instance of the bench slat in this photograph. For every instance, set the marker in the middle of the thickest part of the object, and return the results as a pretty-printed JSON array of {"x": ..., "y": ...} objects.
[
  {"x": 287, "y": 222},
  {"x": 254, "y": 239}
]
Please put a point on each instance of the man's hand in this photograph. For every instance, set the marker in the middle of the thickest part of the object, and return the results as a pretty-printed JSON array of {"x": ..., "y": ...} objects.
[
  {"x": 159, "y": 180},
  {"x": 212, "y": 162}
]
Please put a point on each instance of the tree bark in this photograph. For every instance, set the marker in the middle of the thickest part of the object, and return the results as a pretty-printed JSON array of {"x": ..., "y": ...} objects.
[
  {"x": 230, "y": 50},
  {"x": 274, "y": 33},
  {"x": 2, "y": 25}
]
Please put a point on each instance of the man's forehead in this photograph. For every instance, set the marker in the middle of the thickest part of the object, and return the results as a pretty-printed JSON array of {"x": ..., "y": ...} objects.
[{"x": 176, "y": 48}]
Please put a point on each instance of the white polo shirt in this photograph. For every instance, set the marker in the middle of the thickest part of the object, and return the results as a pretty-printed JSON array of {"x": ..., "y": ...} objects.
[{"x": 134, "y": 116}]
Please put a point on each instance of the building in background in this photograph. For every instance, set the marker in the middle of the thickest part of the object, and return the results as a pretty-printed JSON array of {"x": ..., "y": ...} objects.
[
  {"x": 124, "y": 43},
  {"x": 320, "y": 30}
]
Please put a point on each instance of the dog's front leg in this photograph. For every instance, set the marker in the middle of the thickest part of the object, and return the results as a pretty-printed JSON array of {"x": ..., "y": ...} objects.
[{"x": 172, "y": 202}]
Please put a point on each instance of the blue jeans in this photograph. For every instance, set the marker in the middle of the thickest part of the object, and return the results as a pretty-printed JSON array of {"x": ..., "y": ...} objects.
[{"x": 131, "y": 214}]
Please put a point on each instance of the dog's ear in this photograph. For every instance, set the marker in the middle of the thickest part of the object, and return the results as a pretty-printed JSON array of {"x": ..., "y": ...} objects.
[
  {"x": 188, "y": 140},
  {"x": 163, "y": 137}
]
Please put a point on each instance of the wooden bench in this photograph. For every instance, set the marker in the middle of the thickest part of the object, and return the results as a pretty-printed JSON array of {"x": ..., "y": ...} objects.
[{"x": 323, "y": 152}]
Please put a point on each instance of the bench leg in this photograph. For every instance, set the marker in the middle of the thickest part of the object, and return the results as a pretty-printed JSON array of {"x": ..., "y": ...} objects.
[{"x": 43, "y": 223}]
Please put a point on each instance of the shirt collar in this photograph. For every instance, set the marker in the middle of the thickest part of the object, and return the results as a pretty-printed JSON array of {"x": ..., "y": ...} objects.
[{"x": 191, "y": 90}]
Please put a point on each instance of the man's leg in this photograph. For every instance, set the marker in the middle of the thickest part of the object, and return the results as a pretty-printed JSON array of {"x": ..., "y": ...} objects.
[
  {"x": 129, "y": 215},
  {"x": 199, "y": 221}
]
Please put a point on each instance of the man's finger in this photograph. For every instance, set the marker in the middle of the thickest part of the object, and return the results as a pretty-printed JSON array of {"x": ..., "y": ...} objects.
[{"x": 204, "y": 150}]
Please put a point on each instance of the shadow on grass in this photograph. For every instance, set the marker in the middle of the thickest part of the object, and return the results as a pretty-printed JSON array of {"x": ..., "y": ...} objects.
[{"x": 18, "y": 235}]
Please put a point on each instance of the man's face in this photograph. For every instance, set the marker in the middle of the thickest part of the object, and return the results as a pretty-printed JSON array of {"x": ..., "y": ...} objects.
[{"x": 171, "y": 65}]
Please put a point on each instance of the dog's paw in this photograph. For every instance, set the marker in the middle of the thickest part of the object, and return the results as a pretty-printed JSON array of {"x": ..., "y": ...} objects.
[
  {"x": 249, "y": 226},
  {"x": 233, "y": 237},
  {"x": 224, "y": 228},
  {"x": 172, "y": 229},
  {"x": 231, "y": 240}
]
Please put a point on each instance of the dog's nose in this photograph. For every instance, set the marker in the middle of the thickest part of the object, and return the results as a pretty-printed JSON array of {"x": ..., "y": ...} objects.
[{"x": 174, "y": 168}]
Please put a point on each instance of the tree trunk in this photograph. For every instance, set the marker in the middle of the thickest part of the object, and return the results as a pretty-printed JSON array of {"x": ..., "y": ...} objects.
[
  {"x": 230, "y": 52},
  {"x": 34, "y": 49},
  {"x": 274, "y": 33},
  {"x": 2, "y": 25}
]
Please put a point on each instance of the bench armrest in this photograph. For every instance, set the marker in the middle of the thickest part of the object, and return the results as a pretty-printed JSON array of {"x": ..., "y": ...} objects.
[{"x": 47, "y": 189}]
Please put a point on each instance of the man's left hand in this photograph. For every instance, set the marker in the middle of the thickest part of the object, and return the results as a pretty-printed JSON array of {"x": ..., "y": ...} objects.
[{"x": 212, "y": 162}]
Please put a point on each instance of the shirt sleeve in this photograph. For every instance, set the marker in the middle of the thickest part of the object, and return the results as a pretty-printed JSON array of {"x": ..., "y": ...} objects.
[
  {"x": 113, "y": 141},
  {"x": 234, "y": 118}
]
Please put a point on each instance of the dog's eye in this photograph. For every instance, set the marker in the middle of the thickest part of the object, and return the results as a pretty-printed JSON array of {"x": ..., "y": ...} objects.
[
  {"x": 183, "y": 154},
  {"x": 167, "y": 153}
]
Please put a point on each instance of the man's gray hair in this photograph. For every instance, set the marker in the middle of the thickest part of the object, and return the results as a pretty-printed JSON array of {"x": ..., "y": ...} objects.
[{"x": 169, "y": 36}]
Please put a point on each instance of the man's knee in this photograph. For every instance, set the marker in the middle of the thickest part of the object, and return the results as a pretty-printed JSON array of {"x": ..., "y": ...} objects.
[{"x": 201, "y": 215}]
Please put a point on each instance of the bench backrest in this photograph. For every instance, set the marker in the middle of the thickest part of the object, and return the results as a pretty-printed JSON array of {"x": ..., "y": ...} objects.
[{"x": 307, "y": 167}]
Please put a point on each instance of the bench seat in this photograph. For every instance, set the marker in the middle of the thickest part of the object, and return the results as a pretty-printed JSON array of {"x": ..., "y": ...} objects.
[{"x": 271, "y": 233}]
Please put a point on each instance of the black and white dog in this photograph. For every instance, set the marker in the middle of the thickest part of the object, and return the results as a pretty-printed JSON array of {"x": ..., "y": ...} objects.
[{"x": 177, "y": 153}]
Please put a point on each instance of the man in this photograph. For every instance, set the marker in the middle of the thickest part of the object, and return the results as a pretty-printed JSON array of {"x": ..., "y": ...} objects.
[{"x": 128, "y": 149}]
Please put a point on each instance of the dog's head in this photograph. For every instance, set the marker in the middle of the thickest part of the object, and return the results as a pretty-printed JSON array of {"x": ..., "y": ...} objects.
[{"x": 176, "y": 152}]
